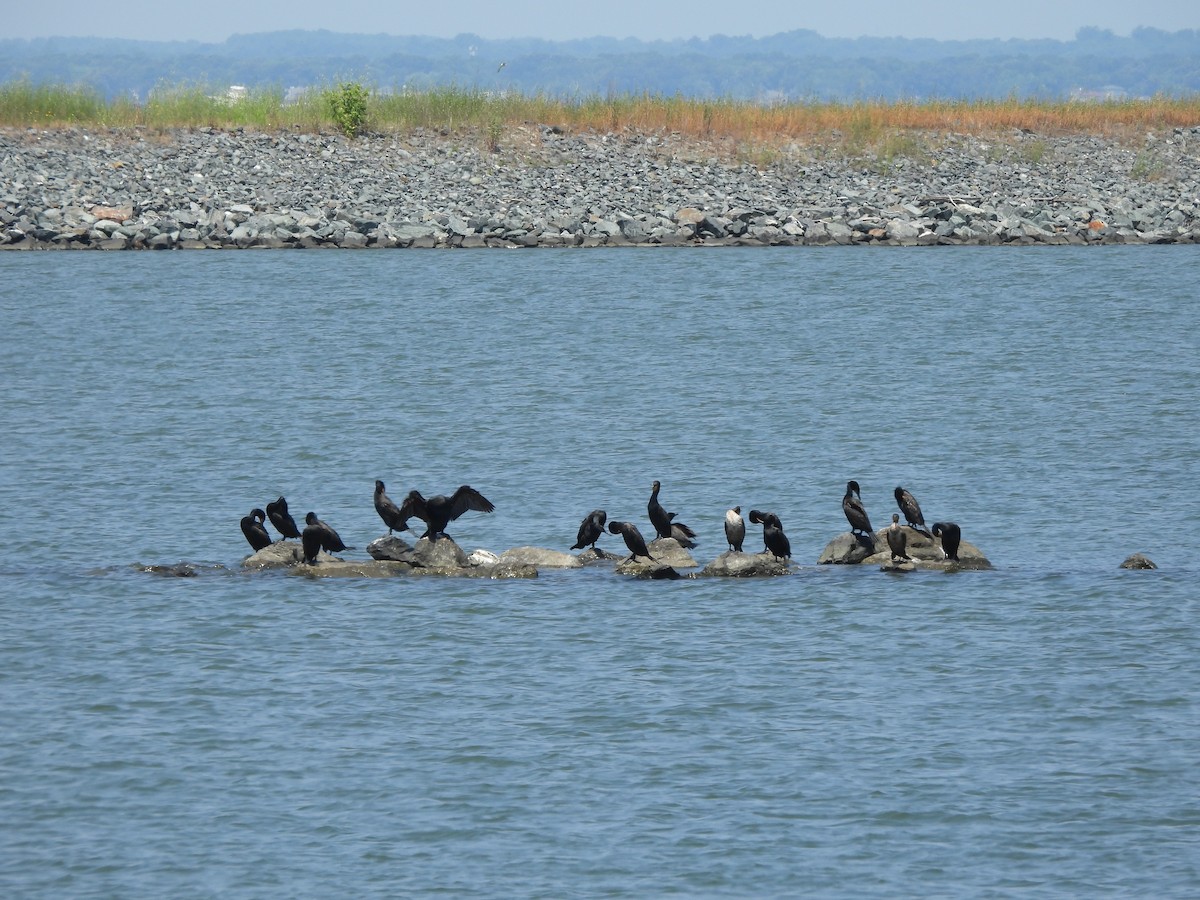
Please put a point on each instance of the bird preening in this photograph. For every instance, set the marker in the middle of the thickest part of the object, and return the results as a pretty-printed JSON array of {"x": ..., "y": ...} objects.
[
  {"x": 590, "y": 530},
  {"x": 277, "y": 510},
  {"x": 633, "y": 539},
  {"x": 774, "y": 540}
]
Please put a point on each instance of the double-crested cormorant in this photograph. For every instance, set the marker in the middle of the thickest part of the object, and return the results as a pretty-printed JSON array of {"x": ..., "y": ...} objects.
[
  {"x": 911, "y": 508},
  {"x": 319, "y": 536},
  {"x": 897, "y": 539},
  {"x": 388, "y": 510},
  {"x": 659, "y": 517},
  {"x": 774, "y": 539},
  {"x": 951, "y": 536},
  {"x": 252, "y": 528},
  {"x": 735, "y": 529},
  {"x": 633, "y": 538},
  {"x": 856, "y": 513},
  {"x": 682, "y": 534},
  {"x": 590, "y": 529},
  {"x": 278, "y": 513},
  {"x": 439, "y": 511}
]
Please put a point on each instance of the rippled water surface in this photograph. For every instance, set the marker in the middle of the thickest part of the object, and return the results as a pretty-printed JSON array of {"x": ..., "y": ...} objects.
[{"x": 1028, "y": 731}]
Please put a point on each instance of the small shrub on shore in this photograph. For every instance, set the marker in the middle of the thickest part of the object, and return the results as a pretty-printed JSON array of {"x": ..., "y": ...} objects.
[{"x": 348, "y": 103}]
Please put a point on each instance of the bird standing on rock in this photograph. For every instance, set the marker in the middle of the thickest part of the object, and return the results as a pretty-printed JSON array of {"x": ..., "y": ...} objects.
[
  {"x": 388, "y": 510},
  {"x": 282, "y": 519},
  {"x": 659, "y": 517},
  {"x": 319, "y": 536},
  {"x": 897, "y": 539},
  {"x": 911, "y": 509},
  {"x": 590, "y": 529},
  {"x": 951, "y": 536},
  {"x": 633, "y": 538},
  {"x": 439, "y": 511},
  {"x": 856, "y": 513},
  {"x": 253, "y": 529},
  {"x": 735, "y": 529},
  {"x": 774, "y": 540}
]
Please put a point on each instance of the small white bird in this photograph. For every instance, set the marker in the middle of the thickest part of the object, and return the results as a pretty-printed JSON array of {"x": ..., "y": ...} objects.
[
  {"x": 501, "y": 66},
  {"x": 735, "y": 529}
]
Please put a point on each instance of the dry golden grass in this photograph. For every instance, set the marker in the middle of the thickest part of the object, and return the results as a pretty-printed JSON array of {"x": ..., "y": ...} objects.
[{"x": 853, "y": 125}]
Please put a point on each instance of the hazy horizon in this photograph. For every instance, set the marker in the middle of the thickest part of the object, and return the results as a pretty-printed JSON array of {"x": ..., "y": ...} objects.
[{"x": 934, "y": 19}]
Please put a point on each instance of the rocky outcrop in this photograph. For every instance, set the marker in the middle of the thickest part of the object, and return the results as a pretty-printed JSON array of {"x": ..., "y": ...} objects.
[
  {"x": 206, "y": 188},
  {"x": 926, "y": 552},
  {"x": 541, "y": 558},
  {"x": 1138, "y": 561},
  {"x": 669, "y": 552},
  {"x": 732, "y": 564}
]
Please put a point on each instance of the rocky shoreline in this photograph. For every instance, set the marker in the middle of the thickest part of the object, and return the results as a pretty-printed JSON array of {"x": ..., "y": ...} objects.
[{"x": 538, "y": 186}]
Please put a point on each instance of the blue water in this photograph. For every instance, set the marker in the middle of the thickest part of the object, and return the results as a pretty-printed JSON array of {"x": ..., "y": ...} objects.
[{"x": 1029, "y": 731}]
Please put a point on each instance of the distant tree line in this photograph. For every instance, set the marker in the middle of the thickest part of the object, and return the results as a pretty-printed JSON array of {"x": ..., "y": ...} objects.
[{"x": 791, "y": 66}]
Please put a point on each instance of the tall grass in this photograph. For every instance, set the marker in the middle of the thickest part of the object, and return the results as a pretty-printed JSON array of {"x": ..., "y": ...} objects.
[{"x": 854, "y": 124}]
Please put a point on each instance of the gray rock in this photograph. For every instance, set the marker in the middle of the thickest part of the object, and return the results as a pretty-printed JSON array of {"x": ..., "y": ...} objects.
[
  {"x": 1138, "y": 561},
  {"x": 441, "y": 554},
  {"x": 732, "y": 564},
  {"x": 390, "y": 547},
  {"x": 654, "y": 571},
  {"x": 926, "y": 551},
  {"x": 670, "y": 552},
  {"x": 425, "y": 189},
  {"x": 541, "y": 558},
  {"x": 278, "y": 555}
]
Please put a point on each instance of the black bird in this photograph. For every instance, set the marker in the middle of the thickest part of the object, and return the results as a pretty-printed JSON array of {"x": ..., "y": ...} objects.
[
  {"x": 951, "y": 536},
  {"x": 319, "y": 536},
  {"x": 388, "y": 510},
  {"x": 590, "y": 529},
  {"x": 659, "y": 517},
  {"x": 856, "y": 513},
  {"x": 897, "y": 539},
  {"x": 912, "y": 510},
  {"x": 633, "y": 538},
  {"x": 735, "y": 529},
  {"x": 252, "y": 528},
  {"x": 684, "y": 535},
  {"x": 439, "y": 511},
  {"x": 774, "y": 539},
  {"x": 282, "y": 519}
]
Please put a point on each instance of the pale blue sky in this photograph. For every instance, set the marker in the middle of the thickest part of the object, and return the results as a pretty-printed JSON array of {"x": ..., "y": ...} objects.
[{"x": 561, "y": 19}]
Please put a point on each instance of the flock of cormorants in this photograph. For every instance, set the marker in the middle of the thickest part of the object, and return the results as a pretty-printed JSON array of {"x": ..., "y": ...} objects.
[{"x": 439, "y": 511}]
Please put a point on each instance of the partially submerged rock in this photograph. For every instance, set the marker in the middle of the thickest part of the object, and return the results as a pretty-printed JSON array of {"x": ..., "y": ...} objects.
[
  {"x": 670, "y": 552},
  {"x": 1138, "y": 561},
  {"x": 390, "y": 547},
  {"x": 925, "y": 551},
  {"x": 541, "y": 558},
  {"x": 640, "y": 568},
  {"x": 339, "y": 568},
  {"x": 593, "y": 555},
  {"x": 732, "y": 564},
  {"x": 279, "y": 555}
]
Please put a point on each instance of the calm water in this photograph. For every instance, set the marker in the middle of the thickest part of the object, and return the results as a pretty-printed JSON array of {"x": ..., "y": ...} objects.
[{"x": 1029, "y": 731}]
